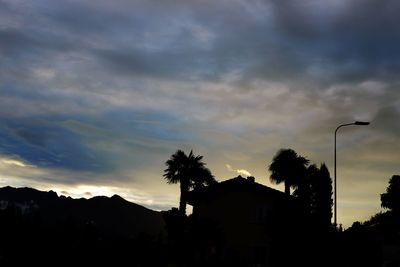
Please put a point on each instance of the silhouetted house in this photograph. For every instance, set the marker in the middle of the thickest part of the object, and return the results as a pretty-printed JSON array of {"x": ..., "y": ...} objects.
[{"x": 252, "y": 221}]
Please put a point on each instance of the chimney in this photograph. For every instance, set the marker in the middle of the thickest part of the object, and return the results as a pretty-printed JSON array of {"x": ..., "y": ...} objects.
[{"x": 251, "y": 179}]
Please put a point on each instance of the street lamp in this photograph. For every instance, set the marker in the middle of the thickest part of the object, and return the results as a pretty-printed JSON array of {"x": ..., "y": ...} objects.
[{"x": 361, "y": 123}]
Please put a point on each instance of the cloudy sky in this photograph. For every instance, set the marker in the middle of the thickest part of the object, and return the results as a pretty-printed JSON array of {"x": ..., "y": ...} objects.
[{"x": 96, "y": 95}]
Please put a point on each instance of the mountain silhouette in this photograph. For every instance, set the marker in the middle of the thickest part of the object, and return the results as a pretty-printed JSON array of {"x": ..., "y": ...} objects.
[
  {"x": 40, "y": 228},
  {"x": 112, "y": 216}
]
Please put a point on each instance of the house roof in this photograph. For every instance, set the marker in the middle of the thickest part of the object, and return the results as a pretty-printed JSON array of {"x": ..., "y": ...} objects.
[{"x": 236, "y": 184}]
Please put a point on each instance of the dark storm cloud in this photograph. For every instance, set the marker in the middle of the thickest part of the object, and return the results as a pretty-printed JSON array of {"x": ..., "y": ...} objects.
[
  {"x": 387, "y": 120},
  {"x": 16, "y": 43},
  {"x": 13, "y": 42},
  {"x": 82, "y": 19},
  {"x": 354, "y": 40},
  {"x": 165, "y": 64},
  {"x": 306, "y": 45},
  {"x": 112, "y": 88},
  {"x": 327, "y": 43}
]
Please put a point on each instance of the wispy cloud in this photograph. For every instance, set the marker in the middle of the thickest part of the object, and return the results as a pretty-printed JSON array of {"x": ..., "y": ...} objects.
[
  {"x": 238, "y": 171},
  {"x": 15, "y": 162}
]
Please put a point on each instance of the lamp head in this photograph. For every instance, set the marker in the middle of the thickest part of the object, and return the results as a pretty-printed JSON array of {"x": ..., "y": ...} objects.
[{"x": 361, "y": 123}]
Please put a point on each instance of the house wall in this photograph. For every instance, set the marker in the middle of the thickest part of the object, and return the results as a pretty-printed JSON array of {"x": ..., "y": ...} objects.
[{"x": 243, "y": 218}]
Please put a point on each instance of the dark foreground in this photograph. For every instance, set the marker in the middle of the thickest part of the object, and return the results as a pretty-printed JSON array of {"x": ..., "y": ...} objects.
[{"x": 54, "y": 230}]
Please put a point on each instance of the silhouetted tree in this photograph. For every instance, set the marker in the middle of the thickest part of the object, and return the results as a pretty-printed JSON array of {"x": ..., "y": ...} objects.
[
  {"x": 315, "y": 194},
  {"x": 391, "y": 199},
  {"x": 202, "y": 177},
  {"x": 288, "y": 167},
  {"x": 304, "y": 190},
  {"x": 189, "y": 171},
  {"x": 321, "y": 203}
]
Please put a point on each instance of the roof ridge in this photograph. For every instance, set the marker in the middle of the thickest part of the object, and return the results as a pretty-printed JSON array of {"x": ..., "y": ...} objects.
[{"x": 241, "y": 180}]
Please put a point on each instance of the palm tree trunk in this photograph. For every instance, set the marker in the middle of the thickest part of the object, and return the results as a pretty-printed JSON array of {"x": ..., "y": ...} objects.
[
  {"x": 287, "y": 189},
  {"x": 183, "y": 199}
]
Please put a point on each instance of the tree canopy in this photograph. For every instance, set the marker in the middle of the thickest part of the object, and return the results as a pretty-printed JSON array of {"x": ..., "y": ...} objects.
[
  {"x": 391, "y": 199},
  {"x": 288, "y": 167},
  {"x": 188, "y": 170},
  {"x": 312, "y": 185}
]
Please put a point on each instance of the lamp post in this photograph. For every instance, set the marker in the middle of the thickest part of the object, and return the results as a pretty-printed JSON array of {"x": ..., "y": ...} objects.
[{"x": 361, "y": 123}]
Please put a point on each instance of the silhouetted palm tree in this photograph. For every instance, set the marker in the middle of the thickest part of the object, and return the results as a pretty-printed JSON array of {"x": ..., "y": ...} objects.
[
  {"x": 288, "y": 167},
  {"x": 189, "y": 171},
  {"x": 202, "y": 177}
]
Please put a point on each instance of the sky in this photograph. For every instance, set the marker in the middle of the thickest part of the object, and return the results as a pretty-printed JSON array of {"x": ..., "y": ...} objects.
[{"x": 95, "y": 96}]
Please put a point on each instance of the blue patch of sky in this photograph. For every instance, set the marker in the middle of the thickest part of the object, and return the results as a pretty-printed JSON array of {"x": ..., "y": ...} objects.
[{"x": 44, "y": 143}]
